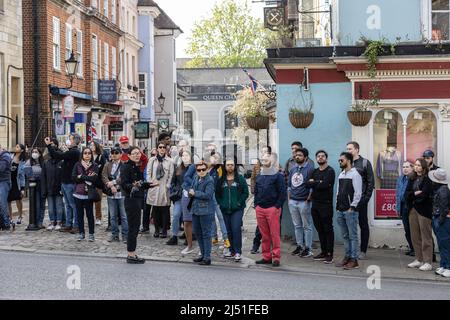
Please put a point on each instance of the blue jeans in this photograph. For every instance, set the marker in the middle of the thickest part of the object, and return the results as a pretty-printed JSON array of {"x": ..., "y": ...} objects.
[
  {"x": 302, "y": 220},
  {"x": 116, "y": 208},
  {"x": 55, "y": 208},
  {"x": 5, "y": 186},
  {"x": 233, "y": 223},
  {"x": 68, "y": 190},
  {"x": 202, "y": 230},
  {"x": 442, "y": 232},
  {"x": 223, "y": 228},
  {"x": 177, "y": 213},
  {"x": 348, "y": 222}
]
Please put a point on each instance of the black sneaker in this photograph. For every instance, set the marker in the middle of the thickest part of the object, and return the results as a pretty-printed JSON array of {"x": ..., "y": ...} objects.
[
  {"x": 320, "y": 257},
  {"x": 328, "y": 259},
  {"x": 156, "y": 235},
  {"x": 172, "y": 241},
  {"x": 297, "y": 251},
  {"x": 254, "y": 251},
  {"x": 276, "y": 263},
  {"x": 262, "y": 261},
  {"x": 197, "y": 260},
  {"x": 135, "y": 260},
  {"x": 163, "y": 235},
  {"x": 144, "y": 230},
  {"x": 306, "y": 253},
  {"x": 205, "y": 263},
  {"x": 183, "y": 236}
]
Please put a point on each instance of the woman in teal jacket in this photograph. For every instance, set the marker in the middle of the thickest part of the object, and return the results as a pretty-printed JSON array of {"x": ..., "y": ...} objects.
[{"x": 231, "y": 194}]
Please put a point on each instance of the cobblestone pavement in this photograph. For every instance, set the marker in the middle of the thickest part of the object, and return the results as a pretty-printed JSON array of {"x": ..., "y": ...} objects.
[{"x": 392, "y": 263}]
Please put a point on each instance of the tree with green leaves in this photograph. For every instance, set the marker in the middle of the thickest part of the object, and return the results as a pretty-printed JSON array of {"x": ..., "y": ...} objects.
[{"x": 229, "y": 37}]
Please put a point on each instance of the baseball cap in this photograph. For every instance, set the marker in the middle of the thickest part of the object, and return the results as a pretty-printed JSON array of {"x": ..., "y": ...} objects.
[
  {"x": 428, "y": 153},
  {"x": 123, "y": 139},
  {"x": 116, "y": 149}
]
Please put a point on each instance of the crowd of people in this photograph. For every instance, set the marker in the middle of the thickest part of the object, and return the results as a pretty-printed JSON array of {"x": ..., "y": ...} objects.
[{"x": 204, "y": 190}]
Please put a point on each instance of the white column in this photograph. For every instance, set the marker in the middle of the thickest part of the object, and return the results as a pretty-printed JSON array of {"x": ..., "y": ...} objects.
[{"x": 444, "y": 152}]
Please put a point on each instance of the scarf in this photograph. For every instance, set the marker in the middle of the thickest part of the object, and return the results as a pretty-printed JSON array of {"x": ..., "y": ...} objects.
[
  {"x": 160, "y": 170},
  {"x": 85, "y": 165}
]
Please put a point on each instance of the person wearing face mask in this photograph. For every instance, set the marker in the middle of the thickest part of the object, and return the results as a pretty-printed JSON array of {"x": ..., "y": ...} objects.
[
  {"x": 33, "y": 171},
  {"x": 299, "y": 195},
  {"x": 401, "y": 202},
  {"x": 17, "y": 181},
  {"x": 176, "y": 196},
  {"x": 270, "y": 194},
  {"x": 70, "y": 157}
]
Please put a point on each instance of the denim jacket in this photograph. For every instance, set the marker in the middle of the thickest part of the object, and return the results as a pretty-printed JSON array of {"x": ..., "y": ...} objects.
[
  {"x": 20, "y": 173},
  {"x": 402, "y": 183},
  {"x": 204, "y": 203}
]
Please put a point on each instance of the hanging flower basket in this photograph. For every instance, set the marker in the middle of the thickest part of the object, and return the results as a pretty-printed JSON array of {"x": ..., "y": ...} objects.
[
  {"x": 258, "y": 123},
  {"x": 359, "y": 118},
  {"x": 301, "y": 120}
]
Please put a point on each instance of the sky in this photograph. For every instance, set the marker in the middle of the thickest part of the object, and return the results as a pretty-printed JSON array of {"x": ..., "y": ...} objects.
[{"x": 186, "y": 12}]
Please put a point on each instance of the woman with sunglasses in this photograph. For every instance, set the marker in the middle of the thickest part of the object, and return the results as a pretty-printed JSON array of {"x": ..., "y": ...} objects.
[
  {"x": 203, "y": 210},
  {"x": 133, "y": 186},
  {"x": 85, "y": 175}
]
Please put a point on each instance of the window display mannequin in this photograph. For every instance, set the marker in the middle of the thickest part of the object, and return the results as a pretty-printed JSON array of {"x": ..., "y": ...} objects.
[{"x": 389, "y": 166}]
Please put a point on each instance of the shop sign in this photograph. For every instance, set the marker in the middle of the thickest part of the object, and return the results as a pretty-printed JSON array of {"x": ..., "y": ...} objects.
[
  {"x": 80, "y": 128},
  {"x": 107, "y": 91},
  {"x": 59, "y": 124},
  {"x": 142, "y": 130},
  {"x": 68, "y": 107},
  {"x": 385, "y": 207},
  {"x": 116, "y": 126},
  {"x": 163, "y": 125}
]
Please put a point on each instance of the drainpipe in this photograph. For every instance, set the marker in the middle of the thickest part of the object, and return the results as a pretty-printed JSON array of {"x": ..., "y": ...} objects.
[{"x": 35, "y": 112}]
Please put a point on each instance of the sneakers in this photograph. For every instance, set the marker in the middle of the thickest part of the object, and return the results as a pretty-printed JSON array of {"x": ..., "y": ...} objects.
[
  {"x": 426, "y": 267},
  {"x": 362, "y": 256},
  {"x": 440, "y": 271},
  {"x": 58, "y": 227},
  {"x": 91, "y": 238},
  {"x": 446, "y": 273},
  {"x": 415, "y": 264},
  {"x": 320, "y": 257},
  {"x": 51, "y": 227},
  {"x": 226, "y": 243},
  {"x": 187, "y": 250},
  {"x": 205, "y": 263},
  {"x": 328, "y": 259},
  {"x": 306, "y": 253},
  {"x": 19, "y": 220},
  {"x": 297, "y": 251},
  {"x": 276, "y": 263},
  {"x": 197, "y": 260},
  {"x": 163, "y": 234},
  {"x": 215, "y": 241},
  {"x": 144, "y": 230},
  {"x": 98, "y": 222},
  {"x": 352, "y": 264},
  {"x": 237, "y": 257},
  {"x": 66, "y": 229},
  {"x": 113, "y": 239},
  {"x": 343, "y": 262},
  {"x": 227, "y": 253},
  {"x": 135, "y": 260},
  {"x": 81, "y": 237},
  {"x": 262, "y": 261},
  {"x": 172, "y": 241}
]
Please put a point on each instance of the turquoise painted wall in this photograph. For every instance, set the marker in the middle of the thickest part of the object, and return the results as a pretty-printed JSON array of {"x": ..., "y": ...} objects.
[
  {"x": 330, "y": 129},
  {"x": 397, "y": 18}
]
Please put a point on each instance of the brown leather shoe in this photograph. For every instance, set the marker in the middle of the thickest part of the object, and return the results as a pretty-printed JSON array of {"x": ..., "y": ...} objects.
[
  {"x": 352, "y": 264},
  {"x": 74, "y": 231},
  {"x": 343, "y": 262}
]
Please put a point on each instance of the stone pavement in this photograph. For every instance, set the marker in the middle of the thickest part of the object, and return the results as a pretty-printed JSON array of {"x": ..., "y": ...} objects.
[{"x": 392, "y": 262}]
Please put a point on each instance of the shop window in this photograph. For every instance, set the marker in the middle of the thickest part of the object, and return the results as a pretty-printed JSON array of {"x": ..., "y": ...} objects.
[
  {"x": 440, "y": 17},
  {"x": 188, "y": 122},
  {"x": 388, "y": 146},
  {"x": 421, "y": 133},
  {"x": 231, "y": 122}
]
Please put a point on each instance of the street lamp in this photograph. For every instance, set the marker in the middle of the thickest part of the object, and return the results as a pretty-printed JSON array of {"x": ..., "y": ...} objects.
[
  {"x": 71, "y": 68},
  {"x": 161, "y": 101}
]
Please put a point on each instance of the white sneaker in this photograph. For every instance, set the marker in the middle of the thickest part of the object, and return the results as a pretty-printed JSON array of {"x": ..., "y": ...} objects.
[
  {"x": 440, "y": 271},
  {"x": 98, "y": 222},
  {"x": 446, "y": 273},
  {"x": 426, "y": 267},
  {"x": 50, "y": 227},
  {"x": 226, "y": 252},
  {"x": 199, "y": 254},
  {"x": 237, "y": 257},
  {"x": 57, "y": 227},
  {"x": 187, "y": 251},
  {"x": 415, "y": 264}
]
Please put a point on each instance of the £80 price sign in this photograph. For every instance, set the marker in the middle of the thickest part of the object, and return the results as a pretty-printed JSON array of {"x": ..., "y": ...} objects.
[{"x": 385, "y": 204}]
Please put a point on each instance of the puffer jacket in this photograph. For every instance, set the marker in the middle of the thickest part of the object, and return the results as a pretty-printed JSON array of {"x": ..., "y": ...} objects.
[{"x": 441, "y": 203}]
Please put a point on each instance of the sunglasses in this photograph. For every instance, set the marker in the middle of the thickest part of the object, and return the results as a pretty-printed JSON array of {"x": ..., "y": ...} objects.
[
  {"x": 87, "y": 152},
  {"x": 202, "y": 170},
  {"x": 115, "y": 152},
  {"x": 161, "y": 147}
]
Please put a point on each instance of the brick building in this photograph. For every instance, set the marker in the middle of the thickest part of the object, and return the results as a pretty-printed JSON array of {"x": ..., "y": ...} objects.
[{"x": 53, "y": 29}]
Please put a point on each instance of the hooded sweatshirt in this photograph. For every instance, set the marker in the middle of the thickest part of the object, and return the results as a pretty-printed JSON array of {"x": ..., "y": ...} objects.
[{"x": 270, "y": 189}]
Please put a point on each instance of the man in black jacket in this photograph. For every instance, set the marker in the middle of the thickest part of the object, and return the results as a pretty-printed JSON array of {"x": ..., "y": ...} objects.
[
  {"x": 70, "y": 157},
  {"x": 322, "y": 183},
  {"x": 364, "y": 168}
]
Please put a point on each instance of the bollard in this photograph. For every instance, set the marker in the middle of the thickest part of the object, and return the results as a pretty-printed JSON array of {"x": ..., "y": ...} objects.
[{"x": 32, "y": 226}]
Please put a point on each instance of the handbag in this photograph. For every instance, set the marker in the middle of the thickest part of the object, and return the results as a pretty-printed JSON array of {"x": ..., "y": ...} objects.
[
  {"x": 93, "y": 194},
  {"x": 175, "y": 193}
]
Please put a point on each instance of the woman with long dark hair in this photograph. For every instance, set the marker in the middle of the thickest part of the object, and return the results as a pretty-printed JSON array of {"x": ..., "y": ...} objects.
[
  {"x": 33, "y": 171},
  {"x": 85, "y": 175},
  {"x": 17, "y": 181},
  {"x": 133, "y": 185},
  {"x": 420, "y": 206},
  {"x": 100, "y": 160}
]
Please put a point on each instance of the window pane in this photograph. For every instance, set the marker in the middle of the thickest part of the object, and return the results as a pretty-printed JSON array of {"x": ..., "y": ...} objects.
[
  {"x": 441, "y": 26},
  {"x": 388, "y": 158},
  {"x": 421, "y": 133},
  {"x": 440, "y": 4}
]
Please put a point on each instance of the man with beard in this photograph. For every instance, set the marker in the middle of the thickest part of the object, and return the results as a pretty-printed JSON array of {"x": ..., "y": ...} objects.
[{"x": 322, "y": 183}]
